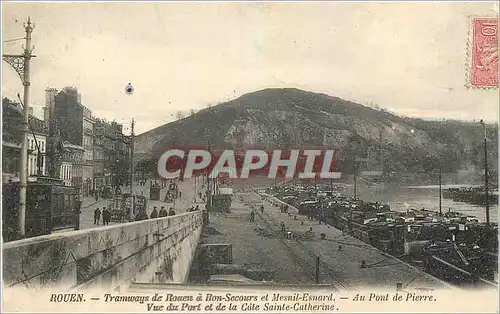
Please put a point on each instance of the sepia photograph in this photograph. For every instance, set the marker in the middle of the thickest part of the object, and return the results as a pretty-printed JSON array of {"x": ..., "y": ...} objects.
[{"x": 252, "y": 156}]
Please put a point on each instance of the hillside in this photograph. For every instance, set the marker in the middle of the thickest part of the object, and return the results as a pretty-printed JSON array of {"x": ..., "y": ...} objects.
[{"x": 273, "y": 118}]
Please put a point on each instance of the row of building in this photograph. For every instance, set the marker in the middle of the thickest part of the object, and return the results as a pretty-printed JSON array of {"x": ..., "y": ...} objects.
[{"x": 69, "y": 143}]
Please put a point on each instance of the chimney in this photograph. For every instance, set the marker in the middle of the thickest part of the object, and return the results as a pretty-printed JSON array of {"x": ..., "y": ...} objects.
[
  {"x": 50, "y": 94},
  {"x": 50, "y": 101}
]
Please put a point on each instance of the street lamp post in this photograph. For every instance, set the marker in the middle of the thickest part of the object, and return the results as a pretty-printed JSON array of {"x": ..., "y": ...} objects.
[
  {"x": 132, "y": 172},
  {"x": 486, "y": 182},
  {"x": 21, "y": 63}
]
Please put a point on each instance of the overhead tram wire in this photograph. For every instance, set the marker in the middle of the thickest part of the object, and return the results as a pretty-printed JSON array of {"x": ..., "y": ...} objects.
[{"x": 15, "y": 39}]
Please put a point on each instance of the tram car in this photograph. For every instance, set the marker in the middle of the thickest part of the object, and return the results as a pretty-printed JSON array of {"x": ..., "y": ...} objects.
[
  {"x": 50, "y": 207},
  {"x": 119, "y": 207}
]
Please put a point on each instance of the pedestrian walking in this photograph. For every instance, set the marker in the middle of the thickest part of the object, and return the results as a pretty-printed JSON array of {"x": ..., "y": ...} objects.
[
  {"x": 262, "y": 209},
  {"x": 106, "y": 216},
  {"x": 163, "y": 212},
  {"x": 283, "y": 227},
  {"x": 96, "y": 193},
  {"x": 252, "y": 216},
  {"x": 154, "y": 213},
  {"x": 97, "y": 216},
  {"x": 171, "y": 212}
]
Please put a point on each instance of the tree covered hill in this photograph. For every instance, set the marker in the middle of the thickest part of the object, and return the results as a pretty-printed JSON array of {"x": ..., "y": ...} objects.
[{"x": 285, "y": 118}]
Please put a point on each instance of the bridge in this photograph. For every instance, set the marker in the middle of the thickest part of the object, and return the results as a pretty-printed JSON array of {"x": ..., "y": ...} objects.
[
  {"x": 162, "y": 251},
  {"x": 111, "y": 257}
]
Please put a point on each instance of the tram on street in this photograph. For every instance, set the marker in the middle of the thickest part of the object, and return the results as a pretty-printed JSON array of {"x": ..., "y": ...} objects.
[
  {"x": 51, "y": 206},
  {"x": 120, "y": 205}
]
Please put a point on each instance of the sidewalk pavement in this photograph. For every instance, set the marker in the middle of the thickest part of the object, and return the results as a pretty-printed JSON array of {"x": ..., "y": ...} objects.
[
  {"x": 89, "y": 204},
  {"x": 187, "y": 199}
]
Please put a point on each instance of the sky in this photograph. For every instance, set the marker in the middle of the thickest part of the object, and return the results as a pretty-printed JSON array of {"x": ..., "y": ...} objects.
[{"x": 407, "y": 57}]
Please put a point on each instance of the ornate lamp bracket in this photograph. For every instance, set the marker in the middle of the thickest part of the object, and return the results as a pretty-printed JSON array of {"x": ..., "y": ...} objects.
[{"x": 17, "y": 62}]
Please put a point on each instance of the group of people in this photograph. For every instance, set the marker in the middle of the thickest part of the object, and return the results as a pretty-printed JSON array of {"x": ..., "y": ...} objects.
[
  {"x": 162, "y": 213},
  {"x": 106, "y": 216},
  {"x": 252, "y": 213},
  {"x": 142, "y": 214}
]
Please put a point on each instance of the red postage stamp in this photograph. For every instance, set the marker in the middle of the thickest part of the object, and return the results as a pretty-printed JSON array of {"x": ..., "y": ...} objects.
[{"x": 483, "y": 51}]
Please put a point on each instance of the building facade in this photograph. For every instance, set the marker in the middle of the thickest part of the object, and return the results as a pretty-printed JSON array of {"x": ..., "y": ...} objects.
[
  {"x": 74, "y": 124},
  {"x": 85, "y": 152},
  {"x": 66, "y": 172},
  {"x": 50, "y": 103},
  {"x": 37, "y": 144},
  {"x": 72, "y": 163},
  {"x": 68, "y": 116},
  {"x": 110, "y": 153},
  {"x": 12, "y": 140},
  {"x": 88, "y": 155}
]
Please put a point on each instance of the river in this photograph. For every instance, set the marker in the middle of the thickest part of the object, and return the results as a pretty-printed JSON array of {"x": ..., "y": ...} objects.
[{"x": 401, "y": 198}]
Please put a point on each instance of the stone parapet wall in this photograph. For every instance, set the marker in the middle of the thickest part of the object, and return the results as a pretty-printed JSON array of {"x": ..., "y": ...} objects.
[{"x": 111, "y": 257}]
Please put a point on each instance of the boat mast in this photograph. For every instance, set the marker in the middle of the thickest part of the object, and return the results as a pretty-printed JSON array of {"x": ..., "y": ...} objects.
[
  {"x": 440, "y": 193},
  {"x": 486, "y": 192}
]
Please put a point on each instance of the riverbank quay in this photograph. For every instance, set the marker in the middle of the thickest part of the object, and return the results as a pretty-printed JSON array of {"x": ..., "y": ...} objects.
[
  {"x": 323, "y": 256},
  {"x": 405, "y": 235},
  {"x": 471, "y": 195},
  {"x": 355, "y": 263}
]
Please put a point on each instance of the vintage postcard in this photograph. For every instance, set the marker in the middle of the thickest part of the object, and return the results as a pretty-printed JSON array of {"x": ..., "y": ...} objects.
[{"x": 258, "y": 157}]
